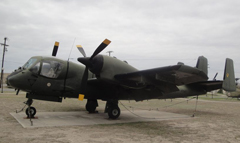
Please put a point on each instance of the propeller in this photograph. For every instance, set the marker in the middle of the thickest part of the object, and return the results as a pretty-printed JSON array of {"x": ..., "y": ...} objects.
[
  {"x": 80, "y": 48},
  {"x": 55, "y": 49},
  {"x": 88, "y": 62},
  {"x": 91, "y": 63},
  {"x": 101, "y": 47}
]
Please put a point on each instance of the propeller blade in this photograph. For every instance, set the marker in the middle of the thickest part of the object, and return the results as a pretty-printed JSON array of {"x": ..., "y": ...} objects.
[
  {"x": 55, "y": 49},
  {"x": 101, "y": 47},
  {"x": 84, "y": 81},
  {"x": 80, "y": 48}
]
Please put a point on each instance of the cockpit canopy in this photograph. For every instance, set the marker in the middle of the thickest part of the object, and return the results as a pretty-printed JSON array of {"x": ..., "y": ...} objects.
[
  {"x": 47, "y": 67},
  {"x": 30, "y": 63}
]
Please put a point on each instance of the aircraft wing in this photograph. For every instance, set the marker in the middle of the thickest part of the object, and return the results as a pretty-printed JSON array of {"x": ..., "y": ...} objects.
[{"x": 170, "y": 75}]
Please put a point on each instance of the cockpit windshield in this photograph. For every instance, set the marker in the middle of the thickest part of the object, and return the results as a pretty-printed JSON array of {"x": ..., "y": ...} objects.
[
  {"x": 46, "y": 67},
  {"x": 51, "y": 68},
  {"x": 29, "y": 63}
]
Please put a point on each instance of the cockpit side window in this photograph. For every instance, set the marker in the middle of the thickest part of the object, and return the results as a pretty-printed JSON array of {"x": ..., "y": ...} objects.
[
  {"x": 35, "y": 68},
  {"x": 51, "y": 69}
]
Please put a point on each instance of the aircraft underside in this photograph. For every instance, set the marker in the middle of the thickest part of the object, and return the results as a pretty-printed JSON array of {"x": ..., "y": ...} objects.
[{"x": 112, "y": 98}]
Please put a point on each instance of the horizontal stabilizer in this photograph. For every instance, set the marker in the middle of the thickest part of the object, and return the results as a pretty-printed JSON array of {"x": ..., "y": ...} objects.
[
  {"x": 208, "y": 85},
  {"x": 229, "y": 76}
]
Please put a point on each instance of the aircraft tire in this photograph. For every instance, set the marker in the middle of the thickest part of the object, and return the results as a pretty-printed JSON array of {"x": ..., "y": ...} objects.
[
  {"x": 91, "y": 106},
  {"x": 32, "y": 110},
  {"x": 114, "y": 112}
]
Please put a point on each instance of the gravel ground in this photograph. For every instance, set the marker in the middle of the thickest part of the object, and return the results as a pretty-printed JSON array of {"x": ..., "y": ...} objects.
[{"x": 214, "y": 121}]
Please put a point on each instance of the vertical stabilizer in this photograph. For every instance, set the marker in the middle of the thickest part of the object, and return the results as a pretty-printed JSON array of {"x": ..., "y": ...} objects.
[
  {"x": 229, "y": 76},
  {"x": 202, "y": 64}
]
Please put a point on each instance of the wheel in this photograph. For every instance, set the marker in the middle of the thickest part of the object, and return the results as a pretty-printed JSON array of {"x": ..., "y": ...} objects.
[
  {"x": 91, "y": 106},
  {"x": 32, "y": 110},
  {"x": 114, "y": 112}
]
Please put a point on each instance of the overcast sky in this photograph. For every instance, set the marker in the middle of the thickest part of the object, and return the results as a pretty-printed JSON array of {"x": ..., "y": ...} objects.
[{"x": 148, "y": 34}]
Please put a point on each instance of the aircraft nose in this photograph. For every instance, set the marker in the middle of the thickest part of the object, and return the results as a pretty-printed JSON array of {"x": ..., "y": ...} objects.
[
  {"x": 11, "y": 80},
  {"x": 18, "y": 80},
  {"x": 7, "y": 81}
]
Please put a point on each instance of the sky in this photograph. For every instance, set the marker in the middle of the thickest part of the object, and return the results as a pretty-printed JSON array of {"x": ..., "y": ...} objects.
[{"x": 146, "y": 33}]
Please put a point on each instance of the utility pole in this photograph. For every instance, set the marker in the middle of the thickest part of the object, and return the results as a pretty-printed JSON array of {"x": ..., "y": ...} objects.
[
  {"x": 4, "y": 49},
  {"x": 109, "y": 53}
]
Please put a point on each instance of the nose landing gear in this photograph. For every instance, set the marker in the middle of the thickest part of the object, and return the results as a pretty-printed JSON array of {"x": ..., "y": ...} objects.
[{"x": 30, "y": 111}]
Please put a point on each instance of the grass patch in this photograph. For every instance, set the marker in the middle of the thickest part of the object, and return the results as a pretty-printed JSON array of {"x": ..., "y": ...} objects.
[
  {"x": 217, "y": 98},
  {"x": 150, "y": 128}
]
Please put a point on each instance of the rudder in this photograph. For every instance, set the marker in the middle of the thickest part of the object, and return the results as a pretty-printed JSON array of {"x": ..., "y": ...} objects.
[
  {"x": 202, "y": 64},
  {"x": 229, "y": 76}
]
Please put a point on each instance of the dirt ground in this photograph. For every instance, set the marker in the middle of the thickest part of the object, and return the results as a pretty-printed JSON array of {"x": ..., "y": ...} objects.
[{"x": 214, "y": 122}]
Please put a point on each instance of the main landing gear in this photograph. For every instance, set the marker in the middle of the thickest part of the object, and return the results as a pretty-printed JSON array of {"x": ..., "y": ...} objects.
[
  {"x": 112, "y": 109},
  {"x": 91, "y": 105}
]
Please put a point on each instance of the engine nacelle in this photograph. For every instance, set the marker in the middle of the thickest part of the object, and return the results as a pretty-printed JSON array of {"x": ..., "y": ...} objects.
[{"x": 107, "y": 67}]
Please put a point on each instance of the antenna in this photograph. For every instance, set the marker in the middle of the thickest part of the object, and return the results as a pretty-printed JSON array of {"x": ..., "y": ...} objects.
[
  {"x": 71, "y": 48},
  {"x": 109, "y": 52}
]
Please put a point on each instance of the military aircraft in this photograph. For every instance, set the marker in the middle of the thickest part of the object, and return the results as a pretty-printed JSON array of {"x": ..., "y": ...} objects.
[{"x": 106, "y": 78}]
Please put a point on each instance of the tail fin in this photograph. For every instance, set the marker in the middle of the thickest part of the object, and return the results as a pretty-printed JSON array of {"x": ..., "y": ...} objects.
[
  {"x": 229, "y": 76},
  {"x": 202, "y": 64}
]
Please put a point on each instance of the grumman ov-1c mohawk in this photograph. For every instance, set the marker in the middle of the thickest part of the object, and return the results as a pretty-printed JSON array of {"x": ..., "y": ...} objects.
[{"x": 109, "y": 79}]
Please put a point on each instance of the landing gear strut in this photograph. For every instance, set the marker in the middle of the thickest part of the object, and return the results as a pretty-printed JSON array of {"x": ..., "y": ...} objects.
[
  {"x": 91, "y": 105},
  {"x": 112, "y": 109}
]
